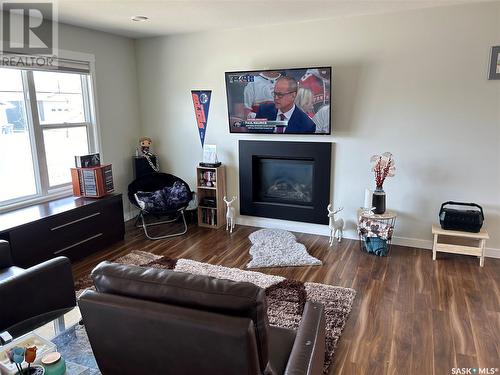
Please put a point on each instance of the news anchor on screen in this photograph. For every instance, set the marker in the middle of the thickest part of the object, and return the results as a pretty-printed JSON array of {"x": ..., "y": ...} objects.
[
  {"x": 284, "y": 109},
  {"x": 280, "y": 101}
]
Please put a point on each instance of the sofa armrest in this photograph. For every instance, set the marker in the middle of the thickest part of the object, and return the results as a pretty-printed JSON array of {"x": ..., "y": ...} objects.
[
  {"x": 5, "y": 257},
  {"x": 36, "y": 293},
  {"x": 308, "y": 351}
]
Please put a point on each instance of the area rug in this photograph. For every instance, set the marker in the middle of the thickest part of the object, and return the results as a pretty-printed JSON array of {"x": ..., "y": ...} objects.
[
  {"x": 286, "y": 298},
  {"x": 278, "y": 248}
]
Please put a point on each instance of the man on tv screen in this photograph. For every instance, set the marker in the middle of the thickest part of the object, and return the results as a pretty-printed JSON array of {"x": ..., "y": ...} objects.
[
  {"x": 259, "y": 91},
  {"x": 287, "y": 116}
]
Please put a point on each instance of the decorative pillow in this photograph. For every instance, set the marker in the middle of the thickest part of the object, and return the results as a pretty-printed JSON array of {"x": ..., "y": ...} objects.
[{"x": 167, "y": 199}]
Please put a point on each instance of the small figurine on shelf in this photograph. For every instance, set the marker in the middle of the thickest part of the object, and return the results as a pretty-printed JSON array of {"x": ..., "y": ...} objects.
[
  {"x": 145, "y": 145},
  {"x": 336, "y": 226},
  {"x": 230, "y": 214},
  {"x": 145, "y": 150}
]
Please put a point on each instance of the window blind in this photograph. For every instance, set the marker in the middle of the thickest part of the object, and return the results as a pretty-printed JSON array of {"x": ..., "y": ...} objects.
[{"x": 46, "y": 63}]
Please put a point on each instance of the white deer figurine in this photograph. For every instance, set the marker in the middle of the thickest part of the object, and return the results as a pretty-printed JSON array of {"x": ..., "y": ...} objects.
[
  {"x": 336, "y": 226},
  {"x": 230, "y": 214}
]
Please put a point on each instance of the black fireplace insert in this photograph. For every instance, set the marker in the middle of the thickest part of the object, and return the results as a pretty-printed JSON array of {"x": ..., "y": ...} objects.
[{"x": 285, "y": 180}]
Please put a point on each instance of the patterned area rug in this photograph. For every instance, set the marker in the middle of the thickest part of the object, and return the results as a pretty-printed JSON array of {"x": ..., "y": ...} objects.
[
  {"x": 278, "y": 248},
  {"x": 286, "y": 298}
]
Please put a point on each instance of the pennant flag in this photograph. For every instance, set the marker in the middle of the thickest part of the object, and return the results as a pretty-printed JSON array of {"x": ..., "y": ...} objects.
[{"x": 201, "y": 102}]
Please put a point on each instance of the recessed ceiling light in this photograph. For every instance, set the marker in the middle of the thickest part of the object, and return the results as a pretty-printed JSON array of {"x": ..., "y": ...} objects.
[{"x": 139, "y": 18}]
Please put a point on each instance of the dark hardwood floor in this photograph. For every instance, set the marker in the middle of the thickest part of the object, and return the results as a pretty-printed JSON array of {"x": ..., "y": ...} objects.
[{"x": 410, "y": 316}]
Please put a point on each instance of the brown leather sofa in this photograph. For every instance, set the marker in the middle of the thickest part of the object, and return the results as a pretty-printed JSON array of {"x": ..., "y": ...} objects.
[
  {"x": 154, "y": 321},
  {"x": 34, "y": 296}
]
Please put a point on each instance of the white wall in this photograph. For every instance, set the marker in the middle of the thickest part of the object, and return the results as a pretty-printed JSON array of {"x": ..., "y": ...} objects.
[
  {"x": 412, "y": 83},
  {"x": 117, "y": 96}
]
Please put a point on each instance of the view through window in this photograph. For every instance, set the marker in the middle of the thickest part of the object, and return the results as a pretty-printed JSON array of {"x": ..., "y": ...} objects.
[{"x": 45, "y": 120}]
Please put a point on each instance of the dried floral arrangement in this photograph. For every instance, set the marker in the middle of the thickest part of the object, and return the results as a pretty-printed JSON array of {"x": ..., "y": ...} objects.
[
  {"x": 383, "y": 167},
  {"x": 18, "y": 355}
]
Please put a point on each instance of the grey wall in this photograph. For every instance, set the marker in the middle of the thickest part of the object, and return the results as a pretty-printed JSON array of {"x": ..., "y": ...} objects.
[
  {"x": 413, "y": 83},
  {"x": 117, "y": 96}
]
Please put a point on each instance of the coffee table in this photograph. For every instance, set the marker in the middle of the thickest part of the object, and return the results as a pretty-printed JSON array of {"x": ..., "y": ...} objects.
[{"x": 72, "y": 342}]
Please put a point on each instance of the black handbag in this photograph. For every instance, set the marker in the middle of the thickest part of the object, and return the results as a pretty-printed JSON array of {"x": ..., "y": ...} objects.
[{"x": 466, "y": 220}]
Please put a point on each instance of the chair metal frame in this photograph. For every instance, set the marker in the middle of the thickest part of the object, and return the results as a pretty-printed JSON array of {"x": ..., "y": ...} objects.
[{"x": 145, "y": 225}]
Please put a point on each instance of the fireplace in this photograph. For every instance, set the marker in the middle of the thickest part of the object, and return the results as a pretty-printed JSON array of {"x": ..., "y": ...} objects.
[{"x": 285, "y": 180}]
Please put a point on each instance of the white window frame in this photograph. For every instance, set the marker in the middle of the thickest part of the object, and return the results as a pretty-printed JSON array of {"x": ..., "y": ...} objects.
[{"x": 44, "y": 191}]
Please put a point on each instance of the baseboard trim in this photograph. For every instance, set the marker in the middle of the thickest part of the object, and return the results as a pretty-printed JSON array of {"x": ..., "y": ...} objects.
[
  {"x": 293, "y": 226},
  {"x": 492, "y": 253},
  {"x": 323, "y": 230}
]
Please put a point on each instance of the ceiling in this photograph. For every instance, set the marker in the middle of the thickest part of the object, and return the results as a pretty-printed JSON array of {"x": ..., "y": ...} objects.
[{"x": 168, "y": 17}]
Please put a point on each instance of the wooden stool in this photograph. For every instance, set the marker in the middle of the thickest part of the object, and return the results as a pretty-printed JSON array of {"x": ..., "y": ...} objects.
[{"x": 460, "y": 242}]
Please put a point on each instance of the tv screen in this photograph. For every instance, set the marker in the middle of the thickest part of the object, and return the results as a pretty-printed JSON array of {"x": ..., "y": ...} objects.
[{"x": 287, "y": 101}]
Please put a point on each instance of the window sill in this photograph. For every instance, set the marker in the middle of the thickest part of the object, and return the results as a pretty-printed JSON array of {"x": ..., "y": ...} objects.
[{"x": 60, "y": 193}]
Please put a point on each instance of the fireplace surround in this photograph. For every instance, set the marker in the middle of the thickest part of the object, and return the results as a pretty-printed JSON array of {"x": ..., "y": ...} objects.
[{"x": 285, "y": 180}]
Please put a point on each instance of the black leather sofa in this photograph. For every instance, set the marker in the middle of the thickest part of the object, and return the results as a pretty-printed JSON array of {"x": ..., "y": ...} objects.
[
  {"x": 147, "y": 320},
  {"x": 34, "y": 296}
]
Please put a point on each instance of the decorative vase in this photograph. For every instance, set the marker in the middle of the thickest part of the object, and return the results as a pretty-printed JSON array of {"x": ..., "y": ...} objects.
[
  {"x": 378, "y": 200},
  {"x": 54, "y": 364}
]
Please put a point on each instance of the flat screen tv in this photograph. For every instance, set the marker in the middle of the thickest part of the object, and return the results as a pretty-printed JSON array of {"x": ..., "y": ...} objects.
[{"x": 284, "y": 101}]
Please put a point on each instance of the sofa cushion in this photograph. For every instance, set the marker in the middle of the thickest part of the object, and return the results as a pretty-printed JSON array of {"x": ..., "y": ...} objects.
[
  {"x": 188, "y": 290},
  {"x": 280, "y": 346}
]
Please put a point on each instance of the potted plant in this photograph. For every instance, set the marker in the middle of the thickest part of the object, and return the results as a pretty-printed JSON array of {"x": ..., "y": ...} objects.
[{"x": 383, "y": 167}]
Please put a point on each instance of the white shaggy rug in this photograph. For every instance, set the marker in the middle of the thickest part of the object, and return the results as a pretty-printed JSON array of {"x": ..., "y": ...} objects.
[{"x": 278, "y": 248}]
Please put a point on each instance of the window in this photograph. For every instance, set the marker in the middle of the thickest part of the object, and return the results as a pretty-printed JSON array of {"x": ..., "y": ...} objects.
[{"x": 46, "y": 118}]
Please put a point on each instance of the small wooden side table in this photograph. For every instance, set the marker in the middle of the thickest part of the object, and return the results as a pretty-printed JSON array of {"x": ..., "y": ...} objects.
[{"x": 457, "y": 242}]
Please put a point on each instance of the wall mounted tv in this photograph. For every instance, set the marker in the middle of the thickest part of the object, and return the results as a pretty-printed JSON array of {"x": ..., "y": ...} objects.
[{"x": 289, "y": 101}]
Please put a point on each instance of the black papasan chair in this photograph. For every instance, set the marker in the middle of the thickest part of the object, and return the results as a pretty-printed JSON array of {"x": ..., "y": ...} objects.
[{"x": 150, "y": 183}]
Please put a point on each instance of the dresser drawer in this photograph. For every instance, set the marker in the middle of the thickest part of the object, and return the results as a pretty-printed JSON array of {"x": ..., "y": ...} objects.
[
  {"x": 63, "y": 221},
  {"x": 88, "y": 245},
  {"x": 39, "y": 241},
  {"x": 75, "y": 233},
  {"x": 79, "y": 235}
]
